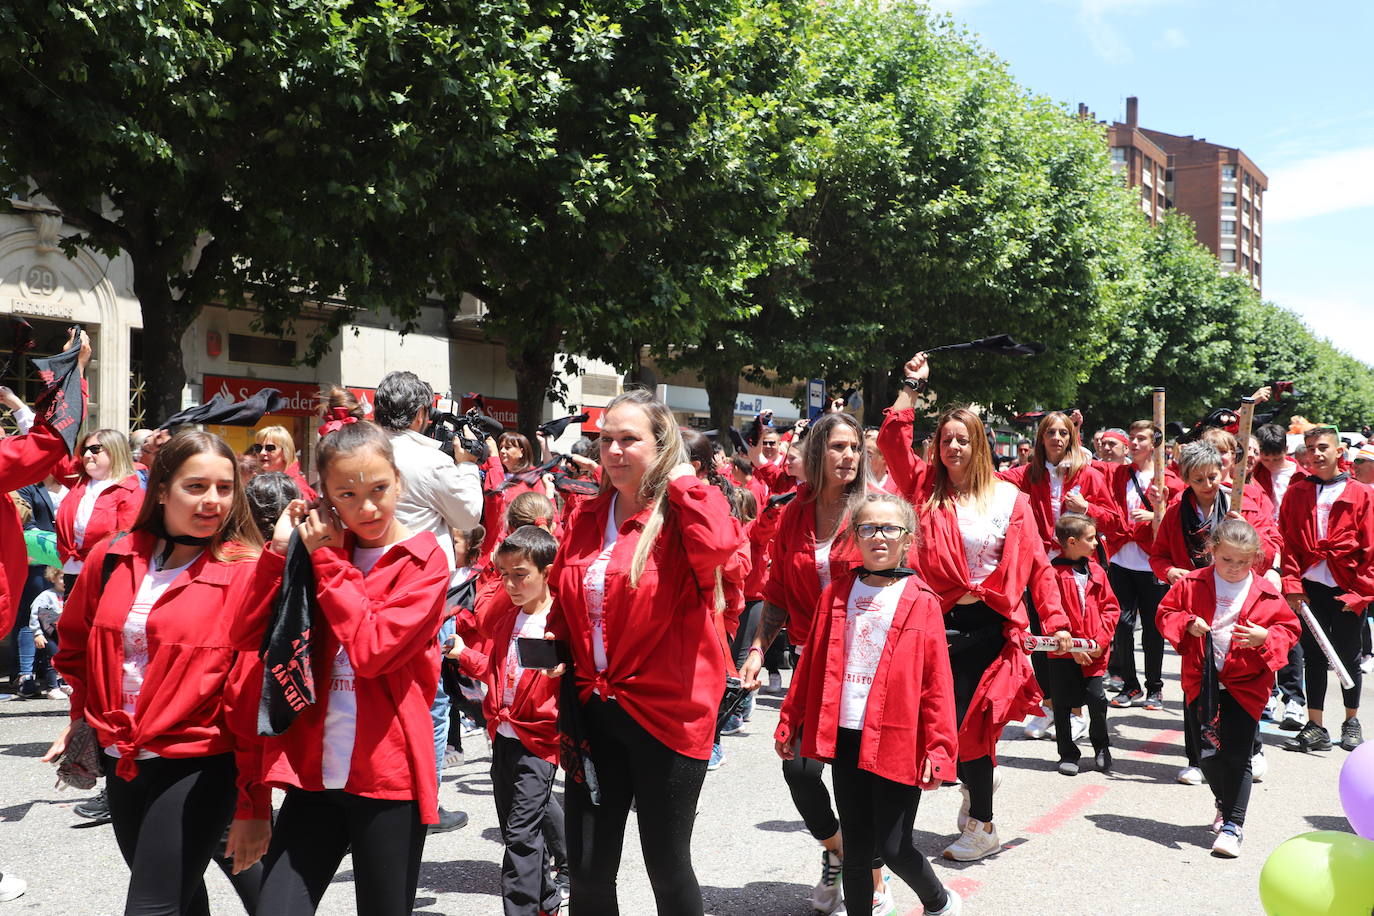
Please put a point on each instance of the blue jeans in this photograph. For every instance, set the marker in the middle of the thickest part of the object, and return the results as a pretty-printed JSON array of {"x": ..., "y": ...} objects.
[{"x": 438, "y": 712}]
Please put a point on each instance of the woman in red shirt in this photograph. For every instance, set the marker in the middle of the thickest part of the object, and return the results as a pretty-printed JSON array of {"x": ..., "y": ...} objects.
[
  {"x": 145, "y": 647},
  {"x": 813, "y": 548},
  {"x": 358, "y": 764},
  {"x": 105, "y": 499},
  {"x": 279, "y": 454},
  {"x": 649, "y": 667},
  {"x": 509, "y": 458}
]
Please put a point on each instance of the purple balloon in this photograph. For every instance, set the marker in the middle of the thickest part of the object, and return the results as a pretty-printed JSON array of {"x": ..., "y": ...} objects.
[{"x": 1357, "y": 790}]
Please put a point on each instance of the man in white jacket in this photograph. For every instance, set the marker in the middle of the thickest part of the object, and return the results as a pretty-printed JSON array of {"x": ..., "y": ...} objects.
[{"x": 437, "y": 493}]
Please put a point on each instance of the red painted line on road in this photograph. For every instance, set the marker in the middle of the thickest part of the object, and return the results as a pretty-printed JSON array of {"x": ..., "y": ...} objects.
[
  {"x": 1160, "y": 743},
  {"x": 1061, "y": 813},
  {"x": 964, "y": 887}
]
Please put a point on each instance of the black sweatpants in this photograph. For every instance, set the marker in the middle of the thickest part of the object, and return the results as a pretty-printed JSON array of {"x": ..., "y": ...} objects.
[
  {"x": 522, "y": 786},
  {"x": 1343, "y": 629},
  {"x": 974, "y": 634},
  {"x": 313, "y": 832},
  {"x": 168, "y": 822},
  {"x": 1070, "y": 687},
  {"x": 1139, "y": 593},
  {"x": 632, "y": 766},
  {"x": 1291, "y": 675},
  {"x": 877, "y": 815},
  {"x": 1228, "y": 770}
]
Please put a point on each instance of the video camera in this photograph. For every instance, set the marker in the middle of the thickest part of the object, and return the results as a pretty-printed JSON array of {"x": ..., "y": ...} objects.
[{"x": 468, "y": 430}]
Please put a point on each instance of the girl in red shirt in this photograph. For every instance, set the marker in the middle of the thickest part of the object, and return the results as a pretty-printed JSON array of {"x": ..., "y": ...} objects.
[
  {"x": 649, "y": 667},
  {"x": 510, "y": 457},
  {"x": 358, "y": 765},
  {"x": 876, "y": 696},
  {"x": 1233, "y": 631},
  {"x": 813, "y": 548},
  {"x": 146, "y": 650},
  {"x": 105, "y": 499}
]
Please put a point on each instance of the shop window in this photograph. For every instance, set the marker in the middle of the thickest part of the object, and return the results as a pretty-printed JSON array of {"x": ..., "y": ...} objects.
[{"x": 266, "y": 351}]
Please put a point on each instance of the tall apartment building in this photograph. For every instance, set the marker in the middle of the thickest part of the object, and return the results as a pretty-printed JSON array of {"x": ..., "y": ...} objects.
[{"x": 1219, "y": 187}]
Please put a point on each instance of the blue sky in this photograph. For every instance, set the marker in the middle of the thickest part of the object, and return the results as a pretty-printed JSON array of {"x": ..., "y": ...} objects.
[{"x": 1291, "y": 84}]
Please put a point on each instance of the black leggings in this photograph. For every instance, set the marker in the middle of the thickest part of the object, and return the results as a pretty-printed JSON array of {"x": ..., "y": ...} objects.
[
  {"x": 1139, "y": 594},
  {"x": 1343, "y": 629},
  {"x": 633, "y": 767},
  {"x": 168, "y": 822},
  {"x": 1228, "y": 770},
  {"x": 974, "y": 632},
  {"x": 877, "y": 815},
  {"x": 1070, "y": 687},
  {"x": 313, "y": 832}
]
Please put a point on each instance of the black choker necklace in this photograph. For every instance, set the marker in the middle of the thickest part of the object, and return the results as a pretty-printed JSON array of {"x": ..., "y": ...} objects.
[
  {"x": 897, "y": 572},
  {"x": 184, "y": 540}
]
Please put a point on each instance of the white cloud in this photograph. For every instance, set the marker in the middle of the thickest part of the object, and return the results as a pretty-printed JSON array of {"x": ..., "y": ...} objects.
[
  {"x": 1173, "y": 39},
  {"x": 1104, "y": 36},
  {"x": 1330, "y": 183},
  {"x": 1344, "y": 317}
]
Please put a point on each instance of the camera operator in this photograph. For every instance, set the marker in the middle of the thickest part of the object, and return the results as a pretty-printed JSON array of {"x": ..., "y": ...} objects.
[{"x": 440, "y": 490}]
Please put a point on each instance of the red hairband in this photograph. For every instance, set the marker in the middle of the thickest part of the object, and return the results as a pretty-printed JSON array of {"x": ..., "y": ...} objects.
[
  {"x": 339, "y": 418},
  {"x": 540, "y": 522},
  {"x": 1113, "y": 434}
]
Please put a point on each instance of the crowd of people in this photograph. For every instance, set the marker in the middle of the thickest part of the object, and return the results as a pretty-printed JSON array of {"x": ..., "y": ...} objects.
[{"x": 223, "y": 625}]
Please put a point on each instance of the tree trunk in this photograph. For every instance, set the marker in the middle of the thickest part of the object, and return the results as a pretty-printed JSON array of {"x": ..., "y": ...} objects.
[
  {"x": 532, "y": 363},
  {"x": 878, "y": 393},
  {"x": 165, "y": 320},
  {"x": 722, "y": 390}
]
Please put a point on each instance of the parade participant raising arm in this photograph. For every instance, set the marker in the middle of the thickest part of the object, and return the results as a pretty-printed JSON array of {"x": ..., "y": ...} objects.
[
  {"x": 877, "y": 641},
  {"x": 357, "y": 765},
  {"x": 813, "y": 548},
  {"x": 145, "y": 647},
  {"x": 648, "y": 664}
]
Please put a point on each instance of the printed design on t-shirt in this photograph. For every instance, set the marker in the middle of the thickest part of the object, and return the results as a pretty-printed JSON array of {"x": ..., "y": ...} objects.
[
  {"x": 866, "y": 636},
  {"x": 594, "y": 582},
  {"x": 989, "y": 546},
  {"x": 341, "y": 677}
]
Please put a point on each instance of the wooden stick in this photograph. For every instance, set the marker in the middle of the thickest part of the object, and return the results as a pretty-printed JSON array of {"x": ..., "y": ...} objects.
[
  {"x": 1159, "y": 456},
  {"x": 1242, "y": 466}
]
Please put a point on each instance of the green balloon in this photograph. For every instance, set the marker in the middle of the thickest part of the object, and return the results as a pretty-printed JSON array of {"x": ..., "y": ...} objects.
[
  {"x": 42, "y": 547},
  {"x": 1323, "y": 873}
]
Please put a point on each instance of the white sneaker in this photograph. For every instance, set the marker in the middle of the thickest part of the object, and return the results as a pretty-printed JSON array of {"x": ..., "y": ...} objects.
[
  {"x": 453, "y": 757},
  {"x": 1273, "y": 709},
  {"x": 963, "y": 790},
  {"x": 1036, "y": 726},
  {"x": 1259, "y": 766},
  {"x": 828, "y": 895},
  {"x": 954, "y": 907},
  {"x": 1367, "y": 663},
  {"x": 979, "y": 839},
  {"x": 56, "y": 694},
  {"x": 1190, "y": 776},
  {"x": 883, "y": 904},
  {"x": 1294, "y": 716},
  {"x": 1217, "y": 823},
  {"x": 1080, "y": 727},
  {"x": 12, "y": 886},
  {"x": 1227, "y": 843}
]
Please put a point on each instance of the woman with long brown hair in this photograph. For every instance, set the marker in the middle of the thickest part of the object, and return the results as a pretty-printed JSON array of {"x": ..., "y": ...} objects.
[
  {"x": 980, "y": 553},
  {"x": 146, "y": 650}
]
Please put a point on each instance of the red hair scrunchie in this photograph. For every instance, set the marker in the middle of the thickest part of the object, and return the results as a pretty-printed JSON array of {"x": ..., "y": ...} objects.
[{"x": 338, "y": 419}]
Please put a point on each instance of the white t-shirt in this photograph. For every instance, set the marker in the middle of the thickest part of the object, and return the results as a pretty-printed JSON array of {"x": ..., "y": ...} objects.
[
  {"x": 1080, "y": 579},
  {"x": 594, "y": 584},
  {"x": 341, "y": 716},
  {"x": 1230, "y": 599},
  {"x": 868, "y": 618},
  {"x": 1326, "y": 498},
  {"x": 1056, "y": 490},
  {"x": 529, "y": 626},
  {"x": 154, "y": 585},
  {"x": 1132, "y": 556},
  {"x": 84, "y": 510},
  {"x": 984, "y": 533},
  {"x": 1281, "y": 481},
  {"x": 823, "y": 561}
]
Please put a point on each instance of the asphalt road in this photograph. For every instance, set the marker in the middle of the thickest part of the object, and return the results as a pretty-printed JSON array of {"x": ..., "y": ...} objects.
[{"x": 1133, "y": 843}]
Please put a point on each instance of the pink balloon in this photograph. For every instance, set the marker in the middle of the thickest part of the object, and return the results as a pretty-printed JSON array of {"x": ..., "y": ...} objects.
[{"x": 1357, "y": 790}]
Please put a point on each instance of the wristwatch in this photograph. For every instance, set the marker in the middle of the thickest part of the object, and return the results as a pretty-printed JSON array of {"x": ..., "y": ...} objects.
[{"x": 915, "y": 384}]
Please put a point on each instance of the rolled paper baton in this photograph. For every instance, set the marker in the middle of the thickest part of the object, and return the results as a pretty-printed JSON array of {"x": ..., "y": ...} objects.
[
  {"x": 1325, "y": 645},
  {"x": 1050, "y": 644}
]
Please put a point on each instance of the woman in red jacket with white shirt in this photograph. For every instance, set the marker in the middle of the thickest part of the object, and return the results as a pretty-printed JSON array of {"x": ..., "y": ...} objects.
[
  {"x": 650, "y": 668},
  {"x": 873, "y": 697},
  {"x": 812, "y": 548},
  {"x": 105, "y": 499},
  {"x": 146, "y": 650},
  {"x": 357, "y": 765}
]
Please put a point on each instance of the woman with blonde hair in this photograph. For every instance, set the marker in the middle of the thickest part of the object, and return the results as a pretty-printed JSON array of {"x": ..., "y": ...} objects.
[
  {"x": 980, "y": 553},
  {"x": 279, "y": 454},
  {"x": 634, "y": 605},
  {"x": 105, "y": 499}
]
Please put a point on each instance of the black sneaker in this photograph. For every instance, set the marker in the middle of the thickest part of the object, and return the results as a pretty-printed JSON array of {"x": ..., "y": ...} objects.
[
  {"x": 1128, "y": 698},
  {"x": 1351, "y": 735},
  {"x": 96, "y": 810},
  {"x": 1155, "y": 700},
  {"x": 29, "y": 689},
  {"x": 1312, "y": 738},
  {"x": 1103, "y": 761},
  {"x": 449, "y": 820},
  {"x": 1114, "y": 684}
]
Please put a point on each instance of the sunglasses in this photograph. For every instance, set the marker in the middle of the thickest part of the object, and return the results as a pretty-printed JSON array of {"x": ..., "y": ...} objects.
[
  {"x": 269, "y": 447},
  {"x": 886, "y": 532},
  {"x": 95, "y": 448}
]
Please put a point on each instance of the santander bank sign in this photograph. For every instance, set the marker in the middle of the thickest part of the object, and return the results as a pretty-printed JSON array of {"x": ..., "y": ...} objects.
[{"x": 302, "y": 398}]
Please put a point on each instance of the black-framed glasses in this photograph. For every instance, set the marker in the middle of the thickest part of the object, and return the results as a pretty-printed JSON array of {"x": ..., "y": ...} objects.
[
  {"x": 886, "y": 532},
  {"x": 95, "y": 448}
]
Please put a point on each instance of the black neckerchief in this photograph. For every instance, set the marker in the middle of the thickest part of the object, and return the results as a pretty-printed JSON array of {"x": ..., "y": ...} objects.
[
  {"x": 1197, "y": 531},
  {"x": 899, "y": 572},
  {"x": 1080, "y": 565}
]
